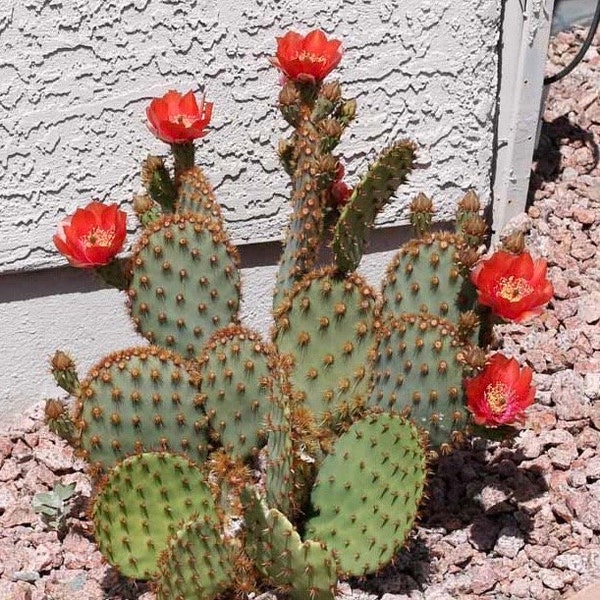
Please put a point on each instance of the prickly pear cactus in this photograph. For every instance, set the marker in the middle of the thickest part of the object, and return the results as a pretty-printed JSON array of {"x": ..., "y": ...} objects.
[
  {"x": 185, "y": 282},
  {"x": 424, "y": 276},
  {"x": 236, "y": 380},
  {"x": 367, "y": 493},
  {"x": 225, "y": 464},
  {"x": 418, "y": 371},
  {"x": 326, "y": 326},
  {"x": 197, "y": 562},
  {"x": 301, "y": 569},
  {"x": 138, "y": 400},
  {"x": 369, "y": 197},
  {"x": 141, "y": 503}
]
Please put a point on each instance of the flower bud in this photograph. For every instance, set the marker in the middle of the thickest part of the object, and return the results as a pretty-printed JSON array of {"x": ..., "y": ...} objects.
[
  {"x": 65, "y": 374},
  {"x": 514, "y": 243},
  {"x": 470, "y": 202},
  {"x": 348, "y": 111},
  {"x": 421, "y": 211},
  {"x": 467, "y": 324},
  {"x": 289, "y": 95},
  {"x": 142, "y": 203},
  {"x": 332, "y": 91},
  {"x": 149, "y": 166},
  {"x": 475, "y": 229},
  {"x": 331, "y": 128},
  {"x": 286, "y": 156},
  {"x": 476, "y": 358},
  {"x": 421, "y": 203},
  {"x": 58, "y": 419}
]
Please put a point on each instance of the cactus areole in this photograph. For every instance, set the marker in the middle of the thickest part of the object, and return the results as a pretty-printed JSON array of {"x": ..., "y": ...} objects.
[{"x": 225, "y": 463}]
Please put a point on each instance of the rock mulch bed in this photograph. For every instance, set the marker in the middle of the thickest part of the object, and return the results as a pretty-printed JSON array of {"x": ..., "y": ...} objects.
[{"x": 504, "y": 520}]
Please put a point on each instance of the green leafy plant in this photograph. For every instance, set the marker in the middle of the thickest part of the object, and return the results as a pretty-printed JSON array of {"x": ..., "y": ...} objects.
[{"x": 54, "y": 506}]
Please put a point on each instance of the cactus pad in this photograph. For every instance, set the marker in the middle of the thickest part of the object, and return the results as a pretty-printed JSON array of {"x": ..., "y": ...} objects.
[
  {"x": 138, "y": 400},
  {"x": 197, "y": 563},
  {"x": 418, "y": 370},
  {"x": 371, "y": 194},
  {"x": 367, "y": 493},
  {"x": 236, "y": 384},
  {"x": 196, "y": 195},
  {"x": 185, "y": 283},
  {"x": 302, "y": 569},
  {"x": 424, "y": 277},
  {"x": 141, "y": 502},
  {"x": 326, "y": 326}
]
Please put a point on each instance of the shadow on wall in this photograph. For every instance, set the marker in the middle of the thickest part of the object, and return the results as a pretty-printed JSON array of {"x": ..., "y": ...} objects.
[{"x": 68, "y": 280}]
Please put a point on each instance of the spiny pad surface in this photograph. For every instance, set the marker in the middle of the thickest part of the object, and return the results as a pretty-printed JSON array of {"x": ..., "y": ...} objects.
[
  {"x": 138, "y": 400},
  {"x": 326, "y": 326},
  {"x": 367, "y": 493},
  {"x": 236, "y": 385},
  {"x": 302, "y": 569},
  {"x": 371, "y": 194},
  {"x": 424, "y": 276},
  {"x": 197, "y": 563},
  {"x": 141, "y": 502},
  {"x": 418, "y": 371},
  {"x": 196, "y": 195},
  {"x": 185, "y": 283}
]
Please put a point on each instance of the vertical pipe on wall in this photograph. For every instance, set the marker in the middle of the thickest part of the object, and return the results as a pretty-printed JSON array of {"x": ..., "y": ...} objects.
[{"x": 525, "y": 35}]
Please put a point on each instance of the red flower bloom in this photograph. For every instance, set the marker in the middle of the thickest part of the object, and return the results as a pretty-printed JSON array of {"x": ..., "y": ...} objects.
[
  {"x": 92, "y": 236},
  {"x": 176, "y": 119},
  {"x": 340, "y": 191},
  {"x": 500, "y": 393},
  {"x": 514, "y": 286},
  {"x": 307, "y": 58}
]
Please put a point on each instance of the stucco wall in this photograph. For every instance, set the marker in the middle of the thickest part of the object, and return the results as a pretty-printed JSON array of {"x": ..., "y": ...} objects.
[{"x": 76, "y": 75}]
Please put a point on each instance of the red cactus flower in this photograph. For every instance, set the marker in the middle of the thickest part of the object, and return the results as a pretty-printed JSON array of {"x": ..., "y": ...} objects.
[
  {"x": 177, "y": 119},
  {"x": 92, "y": 236},
  {"x": 339, "y": 190},
  {"x": 307, "y": 58},
  {"x": 500, "y": 394},
  {"x": 514, "y": 286}
]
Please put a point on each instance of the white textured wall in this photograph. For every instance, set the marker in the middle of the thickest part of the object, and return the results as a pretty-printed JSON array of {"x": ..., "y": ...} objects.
[{"x": 76, "y": 76}]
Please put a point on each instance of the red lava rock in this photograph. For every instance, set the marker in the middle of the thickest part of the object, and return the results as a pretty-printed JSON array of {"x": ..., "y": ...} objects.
[
  {"x": 586, "y": 216},
  {"x": 589, "y": 307}
]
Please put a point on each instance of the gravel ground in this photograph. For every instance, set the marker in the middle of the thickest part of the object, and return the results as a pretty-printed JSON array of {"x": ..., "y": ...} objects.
[{"x": 504, "y": 520}]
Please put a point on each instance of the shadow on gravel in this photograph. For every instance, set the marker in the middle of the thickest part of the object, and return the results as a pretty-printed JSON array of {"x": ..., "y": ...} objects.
[
  {"x": 547, "y": 157},
  {"x": 475, "y": 496}
]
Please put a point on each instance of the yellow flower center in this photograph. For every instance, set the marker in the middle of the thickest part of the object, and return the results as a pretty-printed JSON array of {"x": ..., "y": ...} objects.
[
  {"x": 182, "y": 120},
  {"x": 99, "y": 237},
  {"x": 513, "y": 288},
  {"x": 496, "y": 395},
  {"x": 306, "y": 56}
]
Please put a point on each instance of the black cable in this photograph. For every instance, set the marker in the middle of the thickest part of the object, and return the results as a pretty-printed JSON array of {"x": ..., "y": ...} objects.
[{"x": 584, "y": 48}]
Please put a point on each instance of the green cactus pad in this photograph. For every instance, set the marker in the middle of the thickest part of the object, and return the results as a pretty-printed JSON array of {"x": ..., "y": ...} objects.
[
  {"x": 236, "y": 383},
  {"x": 141, "y": 503},
  {"x": 424, "y": 276},
  {"x": 185, "y": 283},
  {"x": 197, "y": 563},
  {"x": 367, "y": 493},
  {"x": 326, "y": 326},
  {"x": 305, "y": 228},
  {"x": 371, "y": 194},
  {"x": 280, "y": 480},
  {"x": 301, "y": 569},
  {"x": 418, "y": 370},
  {"x": 196, "y": 195},
  {"x": 138, "y": 400}
]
